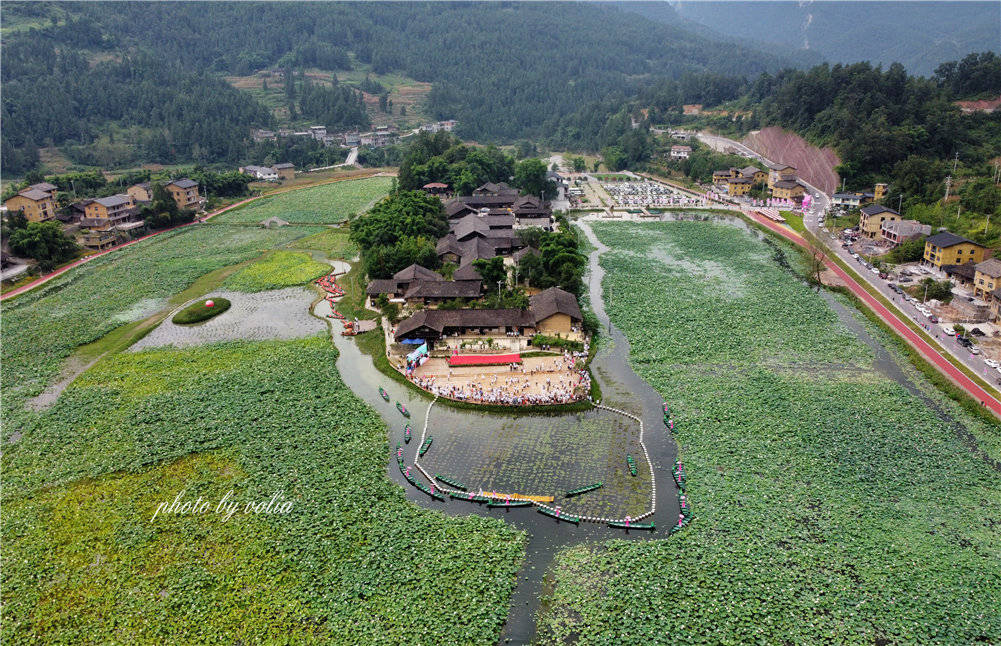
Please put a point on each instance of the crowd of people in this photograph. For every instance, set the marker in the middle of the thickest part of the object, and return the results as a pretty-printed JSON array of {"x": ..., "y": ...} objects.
[{"x": 563, "y": 384}]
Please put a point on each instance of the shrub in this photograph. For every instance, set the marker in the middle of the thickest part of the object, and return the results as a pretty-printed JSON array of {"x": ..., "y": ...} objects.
[{"x": 198, "y": 312}]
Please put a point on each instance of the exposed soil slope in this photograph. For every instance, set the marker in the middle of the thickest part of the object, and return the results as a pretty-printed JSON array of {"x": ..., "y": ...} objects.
[{"x": 815, "y": 165}]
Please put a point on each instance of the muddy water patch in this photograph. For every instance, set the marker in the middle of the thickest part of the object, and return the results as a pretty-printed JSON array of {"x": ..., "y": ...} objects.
[{"x": 276, "y": 314}]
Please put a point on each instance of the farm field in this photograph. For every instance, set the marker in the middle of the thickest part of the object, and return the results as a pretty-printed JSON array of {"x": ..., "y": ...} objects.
[
  {"x": 351, "y": 561},
  {"x": 276, "y": 270},
  {"x": 335, "y": 243},
  {"x": 42, "y": 327},
  {"x": 326, "y": 204},
  {"x": 833, "y": 503}
]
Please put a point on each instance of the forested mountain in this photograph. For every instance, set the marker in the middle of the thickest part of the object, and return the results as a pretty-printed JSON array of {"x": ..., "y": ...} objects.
[
  {"x": 919, "y": 35},
  {"x": 506, "y": 71}
]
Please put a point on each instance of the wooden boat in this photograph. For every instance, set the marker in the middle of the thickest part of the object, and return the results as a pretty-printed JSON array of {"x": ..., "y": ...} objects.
[
  {"x": 433, "y": 494},
  {"x": 468, "y": 497},
  {"x": 567, "y": 518},
  {"x": 385, "y": 395},
  {"x": 621, "y": 525},
  {"x": 510, "y": 503},
  {"x": 407, "y": 433},
  {"x": 450, "y": 482},
  {"x": 579, "y": 490},
  {"x": 403, "y": 409},
  {"x": 632, "y": 465},
  {"x": 426, "y": 446}
]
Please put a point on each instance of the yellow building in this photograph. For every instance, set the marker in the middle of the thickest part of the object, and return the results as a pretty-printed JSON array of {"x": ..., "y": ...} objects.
[
  {"x": 556, "y": 313},
  {"x": 107, "y": 212},
  {"x": 756, "y": 175},
  {"x": 285, "y": 171},
  {"x": 787, "y": 189},
  {"x": 185, "y": 193},
  {"x": 872, "y": 217},
  {"x": 987, "y": 278},
  {"x": 949, "y": 249},
  {"x": 142, "y": 192},
  {"x": 879, "y": 192},
  {"x": 738, "y": 186},
  {"x": 720, "y": 177},
  {"x": 780, "y": 172},
  {"x": 36, "y": 204}
]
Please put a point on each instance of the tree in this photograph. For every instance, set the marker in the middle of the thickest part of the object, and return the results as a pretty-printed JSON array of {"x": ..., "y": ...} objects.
[
  {"x": 45, "y": 242},
  {"x": 909, "y": 251},
  {"x": 530, "y": 177},
  {"x": 492, "y": 270},
  {"x": 935, "y": 290},
  {"x": 614, "y": 158},
  {"x": 579, "y": 164}
]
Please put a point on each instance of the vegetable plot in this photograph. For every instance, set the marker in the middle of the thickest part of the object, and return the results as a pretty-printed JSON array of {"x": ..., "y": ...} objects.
[
  {"x": 276, "y": 270},
  {"x": 326, "y": 204},
  {"x": 834, "y": 505}
]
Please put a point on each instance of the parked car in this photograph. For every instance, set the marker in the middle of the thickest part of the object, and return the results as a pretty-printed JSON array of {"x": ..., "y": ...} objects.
[
  {"x": 977, "y": 332},
  {"x": 933, "y": 318},
  {"x": 873, "y": 270},
  {"x": 855, "y": 256},
  {"x": 963, "y": 341},
  {"x": 905, "y": 279},
  {"x": 992, "y": 363},
  {"x": 973, "y": 349},
  {"x": 948, "y": 329}
]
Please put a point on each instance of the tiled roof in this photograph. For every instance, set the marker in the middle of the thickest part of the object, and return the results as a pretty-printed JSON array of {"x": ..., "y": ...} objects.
[{"x": 947, "y": 239}]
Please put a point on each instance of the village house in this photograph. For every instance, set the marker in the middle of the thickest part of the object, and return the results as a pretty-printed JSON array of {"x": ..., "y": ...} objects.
[
  {"x": 788, "y": 189},
  {"x": 284, "y": 171},
  {"x": 961, "y": 275},
  {"x": 857, "y": 199},
  {"x": 898, "y": 231},
  {"x": 987, "y": 278},
  {"x": 141, "y": 192},
  {"x": 105, "y": 218},
  {"x": 947, "y": 248},
  {"x": 553, "y": 312},
  {"x": 754, "y": 174},
  {"x": 778, "y": 172},
  {"x": 263, "y": 173},
  {"x": 680, "y": 152},
  {"x": 721, "y": 177},
  {"x": 185, "y": 193},
  {"x": 872, "y": 217},
  {"x": 37, "y": 203},
  {"x": 423, "y": 293},
  {"x": 738, "y": 186},
  {"x": 397, "y": 286},
  {"x": 436, "y": 188}
]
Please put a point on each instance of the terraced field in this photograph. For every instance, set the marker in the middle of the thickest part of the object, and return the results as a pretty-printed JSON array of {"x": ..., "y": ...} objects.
[
  {"x": 326, "y": 204},
  {"x": 834, "y": 504}
]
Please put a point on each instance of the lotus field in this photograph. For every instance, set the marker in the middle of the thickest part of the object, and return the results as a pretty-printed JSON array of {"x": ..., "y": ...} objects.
[
  {"x": 325, "y": 204},
  {"x": 42, "y": 327},
  {"x": 833, "y": 503},
  {"x": 351, "y": 561},
  {"x": 276, "y": 270}
]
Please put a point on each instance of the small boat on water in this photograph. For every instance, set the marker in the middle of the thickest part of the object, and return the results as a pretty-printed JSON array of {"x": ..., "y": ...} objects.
[
  {"x": 623, "y": 525},
  {"x": 385, "y": 395},
  {"x": 407, "y": 432},
  {"x": 632, "y": 465},
  {"x": 452, "y": 482},
  {"x": 425, "y": 446},
  {"x": 579, "y": 490},
  {"x": 403, "y": 409},
  {"x": 558, "y": 515},
  {"x": 510, "y": 503}
]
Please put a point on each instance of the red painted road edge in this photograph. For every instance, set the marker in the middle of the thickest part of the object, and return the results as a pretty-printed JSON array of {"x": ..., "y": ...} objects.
[
  {"x": 931, "y": 354},
  {"x": 47, "y": 277},
  {"x": 41, "y": 280}
]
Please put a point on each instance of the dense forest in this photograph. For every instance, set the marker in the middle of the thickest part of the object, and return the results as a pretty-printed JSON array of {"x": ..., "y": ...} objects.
[{"x": 144, "y": 80}]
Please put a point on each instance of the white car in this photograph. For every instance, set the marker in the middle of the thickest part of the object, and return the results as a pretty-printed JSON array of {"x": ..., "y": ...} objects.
[
  {"x": 974, "y": 349},
  {"x": 948, "y": 329},
  {"x": 874, "y": 270},
  {"x": 991, "y": 363},
  {"x": 855, "y": 256}
]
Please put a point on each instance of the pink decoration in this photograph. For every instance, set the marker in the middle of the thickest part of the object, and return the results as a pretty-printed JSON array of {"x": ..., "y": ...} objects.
[{"x": 209, "y": 303}]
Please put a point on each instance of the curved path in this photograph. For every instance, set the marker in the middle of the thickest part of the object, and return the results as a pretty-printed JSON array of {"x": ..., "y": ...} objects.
[
  {"x": 926, "y": 349},
  {"x": 38, "y": 282}
]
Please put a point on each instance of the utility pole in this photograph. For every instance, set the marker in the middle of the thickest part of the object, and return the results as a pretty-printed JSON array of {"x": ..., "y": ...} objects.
[
  {"x": 498, "y": 290},
  {"x": 900, "y": 201},
  {"x": 926, "y": 290},
  {"x": 948, "y": 185}
]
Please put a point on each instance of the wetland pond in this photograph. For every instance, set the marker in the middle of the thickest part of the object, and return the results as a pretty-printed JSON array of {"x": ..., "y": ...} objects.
[{"x": 545, "y": 455}]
